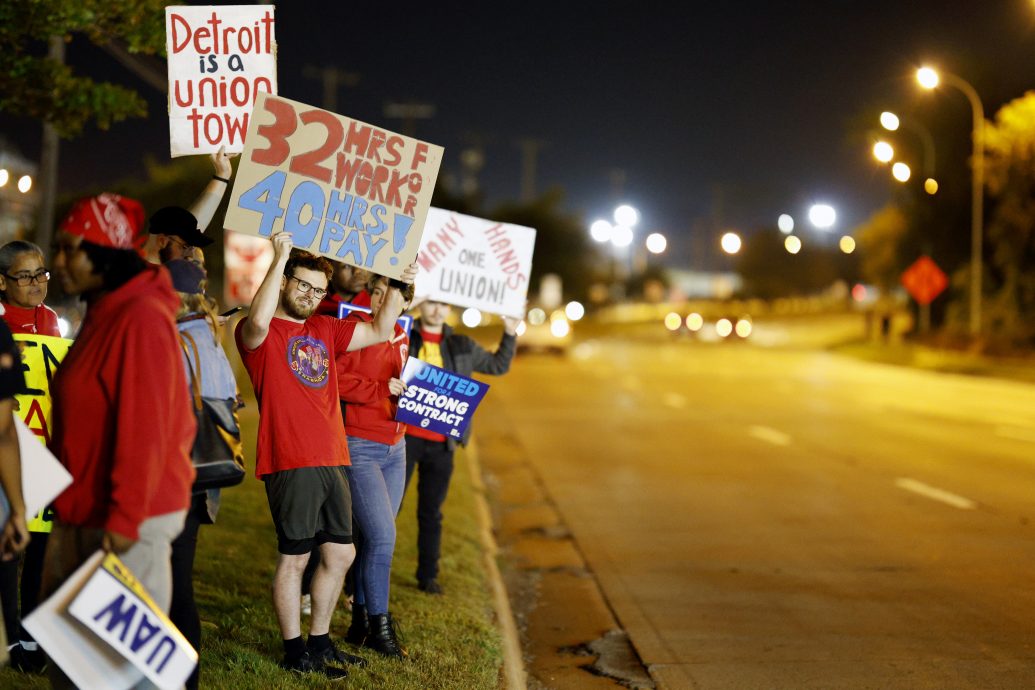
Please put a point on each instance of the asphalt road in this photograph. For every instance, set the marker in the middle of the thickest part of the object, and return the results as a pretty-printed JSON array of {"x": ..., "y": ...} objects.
[{"x": 791, "y": 519}]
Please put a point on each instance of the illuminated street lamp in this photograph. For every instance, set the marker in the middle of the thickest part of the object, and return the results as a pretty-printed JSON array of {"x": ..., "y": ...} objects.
[
  {"x": 786, "y": 223},
  {"x": 847, "y": 244},
  {"x": 792, "y": 244},
  {"x": 883, "y": 151},
  {"x": 929, "y": 79},
  {"x": 822, "y": 216},
  {"x": 621, "y": 236},
  {"x": 901, "y": 172},
  {"x": 730, "y": 243},
  {"x": 891, "y": 122},
  {"x": 600, "y": 231},
  {"x": 626, "y": 215},
  {"x": 4, "y": 176},
  {"x": 656, "y": 243},
  {"x": 24, "y": 184}
]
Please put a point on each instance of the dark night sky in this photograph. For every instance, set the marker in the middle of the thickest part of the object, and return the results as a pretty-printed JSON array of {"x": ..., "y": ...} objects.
[{"x": 736, "y": 111}]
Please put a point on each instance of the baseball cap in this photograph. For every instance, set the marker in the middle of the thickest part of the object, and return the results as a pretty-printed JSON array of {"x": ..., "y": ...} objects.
[{"x": 179, "y": 222}]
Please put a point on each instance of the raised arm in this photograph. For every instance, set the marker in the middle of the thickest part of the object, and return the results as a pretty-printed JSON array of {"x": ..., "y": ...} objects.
[
  {"x": 383, "y": 326},
  {"x": 264, "y": 306},
  {"x": 15, "y": 535},
  {"x": 204, "y": 207}
]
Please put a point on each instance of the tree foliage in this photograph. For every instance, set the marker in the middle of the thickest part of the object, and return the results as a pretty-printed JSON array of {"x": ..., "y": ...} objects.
[
  {"x": 35, "y": 86},
  {"x": 1010, "y": 236},
  {"x": 880, "y": 240}
]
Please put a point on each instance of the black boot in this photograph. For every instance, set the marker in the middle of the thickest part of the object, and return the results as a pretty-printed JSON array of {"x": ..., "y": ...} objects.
[
  {"x": 383, "y": 638},
  {"x": 360, "y": 627}
]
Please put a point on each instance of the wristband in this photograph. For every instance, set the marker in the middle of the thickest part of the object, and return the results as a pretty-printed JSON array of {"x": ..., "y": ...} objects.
[
  {"x": 397, "y": 284},
  {"x": 221, "y": 179}
]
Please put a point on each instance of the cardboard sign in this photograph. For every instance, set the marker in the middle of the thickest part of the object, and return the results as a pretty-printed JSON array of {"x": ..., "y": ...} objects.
[
  {"x": 471, "y": 262},
  {"x": 247, "y": 259},
  {"x": 345, "y": 190},
  {"x": 219, "y": 59},
  {"x": 43, "y": 480},
  {"x": 345, "y": 308},
  {"x": 117, "y": 608},
  {"x": 41, "y": 356},
  {"x": 438, "y": 400},
  {"x": 85, "y": 658}
]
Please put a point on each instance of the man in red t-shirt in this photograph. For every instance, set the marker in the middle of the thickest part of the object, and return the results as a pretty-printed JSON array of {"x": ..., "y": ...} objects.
[
  {"x": 301, "y": 452},
  {"x": 348, "y": 285}
]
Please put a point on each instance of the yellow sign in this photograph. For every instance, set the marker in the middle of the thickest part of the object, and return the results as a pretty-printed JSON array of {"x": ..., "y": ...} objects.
[{"x": 41, "y": 355}]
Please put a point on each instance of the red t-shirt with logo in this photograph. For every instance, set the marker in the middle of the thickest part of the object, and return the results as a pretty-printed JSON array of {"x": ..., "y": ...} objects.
[{"x": 295, "y": 382}]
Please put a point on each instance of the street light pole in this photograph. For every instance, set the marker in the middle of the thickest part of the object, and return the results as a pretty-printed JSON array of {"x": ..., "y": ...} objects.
[{"x": 977, "y": 190}]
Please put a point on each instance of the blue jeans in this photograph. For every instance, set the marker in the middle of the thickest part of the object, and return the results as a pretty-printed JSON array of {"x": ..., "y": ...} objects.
[{"x": 377, "y": 476}]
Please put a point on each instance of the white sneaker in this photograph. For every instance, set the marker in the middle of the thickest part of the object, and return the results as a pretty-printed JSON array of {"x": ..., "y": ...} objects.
[{"x": 307, "y": 605}]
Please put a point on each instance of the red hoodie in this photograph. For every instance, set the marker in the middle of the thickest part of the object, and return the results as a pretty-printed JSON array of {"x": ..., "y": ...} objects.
[
  {"x": 123, "y": 420},
  {"x": 363, "y": 385}
]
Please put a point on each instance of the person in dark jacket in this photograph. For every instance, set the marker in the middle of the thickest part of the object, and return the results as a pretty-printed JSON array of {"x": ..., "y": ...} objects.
[{"x": 434, "y": 342}]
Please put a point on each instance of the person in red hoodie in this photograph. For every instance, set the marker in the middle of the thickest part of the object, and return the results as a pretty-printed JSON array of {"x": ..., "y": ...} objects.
[
  {"x": 23, "y": 287},
  {"x": 369, "y": 382},
  {"x": 122, "y": 418}
]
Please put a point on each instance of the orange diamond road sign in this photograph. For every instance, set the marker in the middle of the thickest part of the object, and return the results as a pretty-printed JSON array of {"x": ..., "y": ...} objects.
[{"x": 924, "y": 280}]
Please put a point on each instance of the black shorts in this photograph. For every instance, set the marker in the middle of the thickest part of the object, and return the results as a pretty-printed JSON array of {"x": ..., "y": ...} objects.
[{"x": 310, "y": 506}]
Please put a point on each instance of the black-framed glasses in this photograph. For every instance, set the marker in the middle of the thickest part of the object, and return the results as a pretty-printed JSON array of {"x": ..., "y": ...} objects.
[
  {"x": 27, "y": 279},
  {"x": 305, "y": 287}
]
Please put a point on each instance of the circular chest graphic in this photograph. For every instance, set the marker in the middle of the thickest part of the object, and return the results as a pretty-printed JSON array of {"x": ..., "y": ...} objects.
[{"x": 308, "y": 359}]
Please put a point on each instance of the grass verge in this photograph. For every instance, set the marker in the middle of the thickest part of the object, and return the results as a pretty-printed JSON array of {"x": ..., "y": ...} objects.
[{"x": 453, "y": 639}]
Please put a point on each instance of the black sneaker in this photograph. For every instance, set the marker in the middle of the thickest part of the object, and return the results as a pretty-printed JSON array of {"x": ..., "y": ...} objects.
[
  {"x": 429, "y": 586},
  {"x": 333, "y": 655},
  {"x": 307, "y": 664}
]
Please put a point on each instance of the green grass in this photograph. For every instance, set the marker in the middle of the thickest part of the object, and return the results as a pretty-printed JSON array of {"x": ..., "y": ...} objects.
[{"x": 452, "y": 639}]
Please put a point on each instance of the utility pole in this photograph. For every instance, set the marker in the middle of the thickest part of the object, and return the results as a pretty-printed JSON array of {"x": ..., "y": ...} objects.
[
  {"x": 332, "y": 79},
  {"x": 529, "y": 157},
  {"x": 409, "y": 113}
]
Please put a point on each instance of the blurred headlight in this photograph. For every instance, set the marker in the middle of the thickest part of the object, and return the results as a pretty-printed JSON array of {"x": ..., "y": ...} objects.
[
  {"x": 723, "y": 327},
  {"x": 536, "y": 316},
  {"x": 471, "y": 317},
  {"x": 743, "y": 327},
  {"x": 672, "y": 321},
  {"x": 574, "y": 311},
  {"x": 694, "y": 321}
]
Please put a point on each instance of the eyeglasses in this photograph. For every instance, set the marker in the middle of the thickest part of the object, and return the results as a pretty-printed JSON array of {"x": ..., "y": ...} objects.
[
  {"x": 25, "y": 280},
  {"x": 179, "y": 243},
  {"x": 305, "y": 287}
]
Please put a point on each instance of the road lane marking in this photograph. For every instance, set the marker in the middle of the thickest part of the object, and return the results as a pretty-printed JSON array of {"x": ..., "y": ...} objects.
[
  {"x": 764, "y": 433},
  {"x": 935, "y": 494},
  {"x": 675, "y": 400},
  {"x": 1016, "y": 433}
]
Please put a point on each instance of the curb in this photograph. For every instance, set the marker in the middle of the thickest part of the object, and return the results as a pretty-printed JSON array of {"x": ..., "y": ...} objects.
[{"x": 513, "y": 664}]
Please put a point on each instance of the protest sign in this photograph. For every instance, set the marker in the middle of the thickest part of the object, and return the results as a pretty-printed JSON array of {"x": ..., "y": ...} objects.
[
  {"x": 219, "y": 59},
  {"x": 119, "y": 610},
  {"x": 41, "y": 355},
  {"x": 43, "y": 480},
  {"x": 86, "y": 659},
  {"x": 345, "y": 308},
  {"x": 343, "y": 189},
  {"x": 472, "y": 262},
  {"x": 438, "y": 400},
  {"x": 246, "y": 259}
]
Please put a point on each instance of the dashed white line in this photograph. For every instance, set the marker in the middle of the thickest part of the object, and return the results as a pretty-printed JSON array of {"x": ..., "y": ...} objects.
[
  {"x": 764, "y": 433},
  {"x": 935, "y": 494}
]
